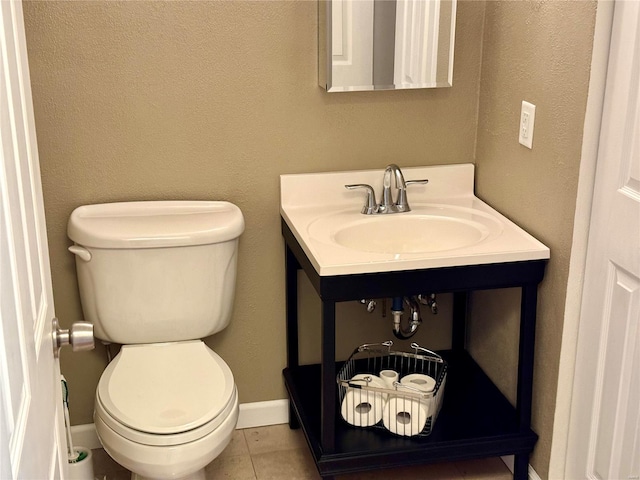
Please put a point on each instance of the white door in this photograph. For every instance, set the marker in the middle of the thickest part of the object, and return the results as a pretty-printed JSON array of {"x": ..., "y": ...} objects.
[
  {"x": 604, "y": 431},
  {"x": 32, "y": 441},
  {"x": 351, "y": 43}
]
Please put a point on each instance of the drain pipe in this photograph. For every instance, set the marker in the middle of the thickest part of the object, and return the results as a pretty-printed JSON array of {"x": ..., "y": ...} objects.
[{"x": 414, "y": 321}]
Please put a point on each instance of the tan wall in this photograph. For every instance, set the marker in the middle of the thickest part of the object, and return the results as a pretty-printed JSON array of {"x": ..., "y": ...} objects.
[
  {"x": 539, "y": 51},
  {"x": 214, "y": 100}
]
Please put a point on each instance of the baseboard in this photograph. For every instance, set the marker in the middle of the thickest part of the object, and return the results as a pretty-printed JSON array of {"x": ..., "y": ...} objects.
[
  {"x": 508, "y": 461},
  {"x": 85, "y": 436},
  {"x": 262, "y": 414},
  {"x": 256, "y": 414}
]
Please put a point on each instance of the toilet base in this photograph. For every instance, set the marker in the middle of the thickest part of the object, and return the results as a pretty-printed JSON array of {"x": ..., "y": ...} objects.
[
  {"x": 199, "y": 475},
  {"x": 176, "y": 462}
]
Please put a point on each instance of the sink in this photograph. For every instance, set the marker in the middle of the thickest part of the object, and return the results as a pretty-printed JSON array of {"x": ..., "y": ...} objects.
[
  {"x": 447, "y": 226},
  {"x": 426, "y": 229}
]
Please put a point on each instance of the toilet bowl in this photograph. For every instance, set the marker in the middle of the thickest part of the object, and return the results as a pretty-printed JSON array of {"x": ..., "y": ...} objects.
[
  {"x": 157, "y": 277},
  {"x": 166, "y": 410}
]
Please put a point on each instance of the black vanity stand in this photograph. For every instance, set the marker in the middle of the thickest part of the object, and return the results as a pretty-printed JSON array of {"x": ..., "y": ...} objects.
[{"x": 476, "y": 420}]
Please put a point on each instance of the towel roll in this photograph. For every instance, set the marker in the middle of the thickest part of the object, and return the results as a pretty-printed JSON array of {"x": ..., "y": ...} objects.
[
  {"x": 405, "y": 416},
  {"x": 422, "y": 382},
  {"x": 363, "y": 408},
  {"x": 389, "y": 377}
]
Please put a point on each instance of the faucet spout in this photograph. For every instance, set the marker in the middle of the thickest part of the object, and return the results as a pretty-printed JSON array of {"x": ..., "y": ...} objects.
[
  {"x": 387, "y": 201},
  {"x": 397, "y": 173}
]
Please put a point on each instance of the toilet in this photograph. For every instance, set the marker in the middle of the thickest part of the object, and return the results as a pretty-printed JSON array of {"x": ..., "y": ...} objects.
[{"x": 157, "y": 278}]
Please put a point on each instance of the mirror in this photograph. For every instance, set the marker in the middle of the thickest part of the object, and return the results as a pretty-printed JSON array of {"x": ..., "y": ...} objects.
[{"x": 385, "y": 44}]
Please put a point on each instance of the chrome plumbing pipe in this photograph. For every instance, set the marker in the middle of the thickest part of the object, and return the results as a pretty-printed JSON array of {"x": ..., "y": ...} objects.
[{"x": 414, "y": 317}]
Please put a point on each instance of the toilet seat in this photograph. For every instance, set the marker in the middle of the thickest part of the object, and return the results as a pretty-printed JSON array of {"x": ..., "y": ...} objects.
[
  {"x": 165, "y": 394},
  {"x": 152, "y": 439}
]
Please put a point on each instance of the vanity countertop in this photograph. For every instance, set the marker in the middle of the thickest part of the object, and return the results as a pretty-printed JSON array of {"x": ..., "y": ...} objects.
[{"x": 461, "y": 229}]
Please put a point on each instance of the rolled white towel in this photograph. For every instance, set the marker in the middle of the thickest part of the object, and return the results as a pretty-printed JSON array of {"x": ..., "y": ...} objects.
[
  {"x": 422, "y": 382},
  {"x": 363, "y": 408},
  {"x": 389, "y": 377},
  {"x": 405, "y": 416}
]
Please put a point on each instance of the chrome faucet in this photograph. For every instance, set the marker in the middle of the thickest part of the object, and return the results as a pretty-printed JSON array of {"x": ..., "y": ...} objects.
[{"x": 387, "y": 205}]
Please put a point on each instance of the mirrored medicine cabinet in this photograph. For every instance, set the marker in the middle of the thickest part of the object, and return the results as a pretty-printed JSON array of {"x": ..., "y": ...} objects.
[{"x": 385, "y": 44}]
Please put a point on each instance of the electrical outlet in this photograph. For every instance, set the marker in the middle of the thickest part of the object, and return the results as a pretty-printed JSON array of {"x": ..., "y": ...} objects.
[{"x": 527, "y": 119}]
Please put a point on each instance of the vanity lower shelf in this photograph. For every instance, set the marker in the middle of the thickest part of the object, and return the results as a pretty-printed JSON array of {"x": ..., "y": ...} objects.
[{"x": 476, "y": 421}]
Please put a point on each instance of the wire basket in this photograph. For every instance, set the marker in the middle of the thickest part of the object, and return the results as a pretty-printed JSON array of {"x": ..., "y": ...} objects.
[{"x": 398, "y": 392}]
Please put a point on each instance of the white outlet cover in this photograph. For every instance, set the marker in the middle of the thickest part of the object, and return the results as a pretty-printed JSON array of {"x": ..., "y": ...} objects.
[{"x": 527, "y": 120}]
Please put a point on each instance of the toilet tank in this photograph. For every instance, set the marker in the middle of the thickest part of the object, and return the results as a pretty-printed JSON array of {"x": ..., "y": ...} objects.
[{"x": 156, "y": 271}]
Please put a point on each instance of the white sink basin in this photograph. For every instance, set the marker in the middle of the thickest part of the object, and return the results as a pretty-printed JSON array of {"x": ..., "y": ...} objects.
[
  {"x": 448, "y": 225},
  {"x": 426, "y": 229}
]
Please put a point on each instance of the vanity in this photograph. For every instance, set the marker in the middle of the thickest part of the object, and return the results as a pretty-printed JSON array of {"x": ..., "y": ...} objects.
[{"x": 454, "y": 243}]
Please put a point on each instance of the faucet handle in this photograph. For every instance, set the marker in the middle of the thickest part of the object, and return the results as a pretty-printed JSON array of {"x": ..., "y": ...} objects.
[
  {"x": 402, "y": 204},
  {"x": 371, "y": 206},
  {"x": 412, "y": 182}
]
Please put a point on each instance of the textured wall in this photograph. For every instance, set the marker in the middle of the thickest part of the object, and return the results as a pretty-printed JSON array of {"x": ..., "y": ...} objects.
[
  {"x": 539, "y": 51},
  {"x": 214, "y": 100}
]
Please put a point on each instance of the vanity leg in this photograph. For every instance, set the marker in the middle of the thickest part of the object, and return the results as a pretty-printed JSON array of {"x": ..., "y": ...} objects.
[
  {"x": 521, "y": 467},
  {"x": 459, "y": 330},
  {"x": 328, "y": 378},
  {"x": 528, "y": 305},
  {"x": 291, "y": 293}
]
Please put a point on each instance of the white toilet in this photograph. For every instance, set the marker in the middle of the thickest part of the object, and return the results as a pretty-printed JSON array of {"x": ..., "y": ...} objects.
[{"x": 157, "y": 277}]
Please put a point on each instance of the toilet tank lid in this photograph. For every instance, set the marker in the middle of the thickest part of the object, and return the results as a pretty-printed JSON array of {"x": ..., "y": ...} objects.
[{"x": 155, "y": 224}]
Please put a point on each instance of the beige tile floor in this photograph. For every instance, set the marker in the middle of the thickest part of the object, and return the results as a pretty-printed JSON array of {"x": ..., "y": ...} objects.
[{"x": 279, "y": 453}]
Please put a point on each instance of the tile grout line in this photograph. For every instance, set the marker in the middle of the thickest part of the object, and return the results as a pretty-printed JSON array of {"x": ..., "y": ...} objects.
[{"x": 246, "y": 442}]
